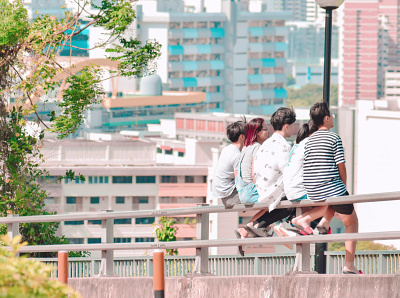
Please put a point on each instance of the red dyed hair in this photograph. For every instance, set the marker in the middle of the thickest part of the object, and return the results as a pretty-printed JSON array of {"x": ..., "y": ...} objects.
[{"x": 252, "y": 128}]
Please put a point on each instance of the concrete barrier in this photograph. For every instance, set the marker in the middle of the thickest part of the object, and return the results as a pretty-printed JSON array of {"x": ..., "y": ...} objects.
[{"x": 302, "y": 285}]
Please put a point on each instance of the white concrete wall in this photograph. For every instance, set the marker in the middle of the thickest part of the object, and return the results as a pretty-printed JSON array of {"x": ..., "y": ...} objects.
[{"x": 377, "y": 167}]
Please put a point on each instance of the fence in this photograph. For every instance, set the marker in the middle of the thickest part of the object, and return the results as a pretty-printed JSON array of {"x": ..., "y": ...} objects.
[
  {"x": 202, "y": 242},
  {"x": 370, "y": 262}
]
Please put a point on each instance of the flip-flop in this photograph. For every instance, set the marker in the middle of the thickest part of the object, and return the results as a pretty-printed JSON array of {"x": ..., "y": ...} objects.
[
  {"x": 241, "y": 251},
  {"x": 351, "y": 272},
  {"x": 256, "y": 232},
  {"x": 304, "y": 231},
  {"x": 281, "y": 233},
  {"x": 323, "y": 231}
]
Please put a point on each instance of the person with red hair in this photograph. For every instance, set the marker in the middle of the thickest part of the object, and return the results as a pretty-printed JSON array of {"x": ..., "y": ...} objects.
[{"x": 256, "y": 134}]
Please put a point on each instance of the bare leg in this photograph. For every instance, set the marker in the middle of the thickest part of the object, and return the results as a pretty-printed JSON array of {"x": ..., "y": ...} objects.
[
  {"x": 350, "y": 221},
  {"x": 242, "y": 231},
  {"x": 306, "y": 218},
  {"x": 326, "y": 219}
]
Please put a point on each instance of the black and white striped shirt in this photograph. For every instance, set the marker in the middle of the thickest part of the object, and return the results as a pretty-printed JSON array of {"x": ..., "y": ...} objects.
[{"x": 323, "y": 152}]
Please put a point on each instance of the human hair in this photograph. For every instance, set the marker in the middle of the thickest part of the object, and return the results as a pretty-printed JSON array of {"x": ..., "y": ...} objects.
[
  {"x": 303, "y": 133},
  {"x": 312, "y": 127},
  {"x": 281, "y": 117},
  {"x": 234, "y": 130},
  {"x": 252, "y": 128},
  {"x": 318, "y": 112}
]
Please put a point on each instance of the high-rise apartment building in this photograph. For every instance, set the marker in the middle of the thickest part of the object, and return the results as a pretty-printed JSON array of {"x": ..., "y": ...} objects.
[
  {"x": 236, "y": 56},
  {"x": 370, "y": 46}
]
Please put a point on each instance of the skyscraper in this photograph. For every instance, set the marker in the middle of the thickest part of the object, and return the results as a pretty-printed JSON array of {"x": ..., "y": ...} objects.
[{"x": 370, "y": 46}]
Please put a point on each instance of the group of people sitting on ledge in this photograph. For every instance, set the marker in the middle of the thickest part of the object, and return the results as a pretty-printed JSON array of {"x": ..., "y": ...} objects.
[{"x": 259, "y": 168}]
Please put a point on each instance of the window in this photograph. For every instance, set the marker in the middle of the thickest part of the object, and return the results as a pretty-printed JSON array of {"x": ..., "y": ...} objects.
[
  {"x": 181, "y": 154},
  {"x": 123, "y": 221},
  {"x": 75, "y": 240},
  {"x": 94, "y": 200},
  {"x": 93, "y": 240},
  {"x": 122, "y": 179},
  {"x": 145, "y": 179},
  {"x": 159, "y": 150},
  {"x": 122, "y": 240},
  {"x": 143, "y": 200},
  {"x": 120, "y": 200},
  {"x": 74, "y": 223},
  {"x": 144, "y": 221},
  {"x": 78, "y": 180},
  {"x": 144, "y": 239},
  {"x": 189, "y": 179},
  {"x": 94, "y": 222},
  {"x": 169, "y": 179},
  {"x": 204, "y": 179},
  {"x": 98, "y": 179},
  {"x": 71, "y": 200},
  {"x": 168, "y": 152}
]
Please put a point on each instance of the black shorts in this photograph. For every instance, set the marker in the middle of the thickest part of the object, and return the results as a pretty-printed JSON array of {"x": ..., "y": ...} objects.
[{"x": 344, "y": 208}]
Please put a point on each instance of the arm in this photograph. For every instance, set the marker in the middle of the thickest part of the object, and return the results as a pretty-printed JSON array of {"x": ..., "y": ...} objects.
[
  {"x": 252, "y": 171},
  {"x": 342, "y": 172},
  {"x": 235, "y": 173}
]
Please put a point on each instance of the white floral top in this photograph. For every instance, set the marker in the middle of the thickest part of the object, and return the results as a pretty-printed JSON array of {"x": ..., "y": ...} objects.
[{"x": 269, "y": 164}]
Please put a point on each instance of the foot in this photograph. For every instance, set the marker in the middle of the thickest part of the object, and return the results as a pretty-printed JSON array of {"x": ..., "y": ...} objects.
[
  {"x": 243, "y": 233},
  {"x": 351, "y": 269}
]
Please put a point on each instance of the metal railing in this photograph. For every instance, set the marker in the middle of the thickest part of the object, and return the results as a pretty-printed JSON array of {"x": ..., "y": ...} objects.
[
  {"x": 370, "y": 262},
  {"x": 202, "y": 242}
]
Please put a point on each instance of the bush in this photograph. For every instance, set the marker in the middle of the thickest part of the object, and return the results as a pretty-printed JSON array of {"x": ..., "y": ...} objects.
[{"x": 22, "y": 277}]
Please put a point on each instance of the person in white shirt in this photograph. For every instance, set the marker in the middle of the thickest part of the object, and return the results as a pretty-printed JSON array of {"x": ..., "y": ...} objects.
[{"x": 269, "y": 163}]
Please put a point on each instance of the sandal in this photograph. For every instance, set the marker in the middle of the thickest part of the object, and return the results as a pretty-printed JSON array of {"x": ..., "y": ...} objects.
[
  {"x": 351, "y": 272},
  {"x": 304, "y": 231},
  {"x": 323, "y": 231},
  {"x": 239, "y": 236},
  {"x": 256, "y": 232}
]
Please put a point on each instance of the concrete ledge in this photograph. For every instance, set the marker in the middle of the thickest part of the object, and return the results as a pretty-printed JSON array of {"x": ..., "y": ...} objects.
[{"x": 302, "y": 285}]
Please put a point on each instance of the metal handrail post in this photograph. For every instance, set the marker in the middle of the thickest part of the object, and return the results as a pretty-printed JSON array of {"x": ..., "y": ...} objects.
[
  {"x": 107, "y": 256},
  {"x": 202, "y": 233},
  {"x": 302, "y": 262}
]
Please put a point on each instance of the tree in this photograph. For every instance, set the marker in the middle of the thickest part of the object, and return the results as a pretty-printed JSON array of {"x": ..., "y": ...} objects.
[
  {"x": 361, "y": 245},
  {"x": 309, "y": 94},
  {"x": 165, "y": 231},
  {"x": 290, "y": 80},
  {"x": 30, "y": 70}
]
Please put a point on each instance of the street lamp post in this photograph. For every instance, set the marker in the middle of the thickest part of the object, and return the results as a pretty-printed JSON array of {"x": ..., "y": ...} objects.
[{"x": 329, "y": 6}]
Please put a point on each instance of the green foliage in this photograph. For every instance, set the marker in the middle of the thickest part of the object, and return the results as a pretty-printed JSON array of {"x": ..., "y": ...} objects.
[
  {"x": 84, "y": 90},
  {"x": 22, "y": 277},
  {"x": 115, "y": 16},
  {"x": 166, "y": 232},
  {"x": 29, "y": 71},
  {"x": 310, "y": 94},
  {"x": 361, "y": 245},
  {"x": 14, "y": 25},
  {"x": 134, "y": 58},
  {"x": 290, "y": 80},
  {"x": 189, "y": 221}
]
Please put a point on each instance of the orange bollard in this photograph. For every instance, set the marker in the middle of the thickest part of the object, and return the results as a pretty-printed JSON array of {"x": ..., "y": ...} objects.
[
  {"x": 158, "y": 273},
  {"x": 63, "y": 266}
]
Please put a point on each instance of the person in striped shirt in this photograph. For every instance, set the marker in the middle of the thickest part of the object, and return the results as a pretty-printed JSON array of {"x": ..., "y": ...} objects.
[{"x": 324, "y": 176}]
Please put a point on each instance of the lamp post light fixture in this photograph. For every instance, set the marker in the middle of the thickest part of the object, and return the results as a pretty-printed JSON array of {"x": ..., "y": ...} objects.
[{"x": 329, "y": 6}]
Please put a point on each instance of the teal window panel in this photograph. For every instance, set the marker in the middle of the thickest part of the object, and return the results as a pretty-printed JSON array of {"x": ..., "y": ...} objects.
[
  {"x": 255, "y": 79},
  {"x": 267, "y": 109},
  {"x": 204, "y": 49},
  {"x": 190, "y": 33},
  {"x": 190, "y": 65},
  {"x": 280, "y": 93},
  {"x": 256, "y": 31},
  {"x": 189, "y": 82},
  {"x": 217, "y": 64},
  {"x": 175, "y": 50},
  {"x": 280, "y": 46},
  {"x": 217, "y": 32},
  {"x": 268, "y": 62}
]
